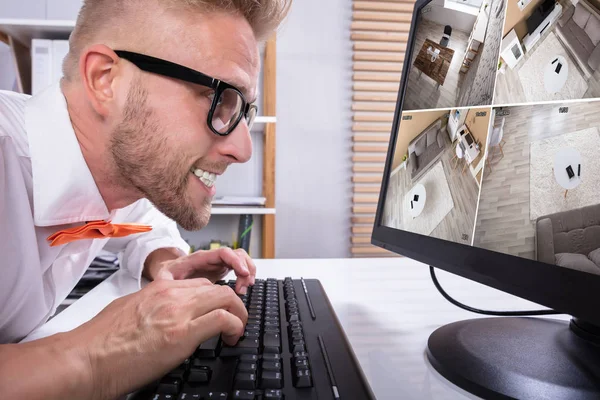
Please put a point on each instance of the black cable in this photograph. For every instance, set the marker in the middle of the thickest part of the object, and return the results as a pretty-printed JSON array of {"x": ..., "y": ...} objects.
[{"x": 486, "y": 312}]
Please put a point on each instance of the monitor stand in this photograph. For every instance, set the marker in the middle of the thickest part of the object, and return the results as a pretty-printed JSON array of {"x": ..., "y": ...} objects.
[{"x": 519, "y": 357}]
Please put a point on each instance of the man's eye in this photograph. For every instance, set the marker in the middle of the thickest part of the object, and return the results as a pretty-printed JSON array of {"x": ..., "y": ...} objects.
[{"x": 212, "y": 96}]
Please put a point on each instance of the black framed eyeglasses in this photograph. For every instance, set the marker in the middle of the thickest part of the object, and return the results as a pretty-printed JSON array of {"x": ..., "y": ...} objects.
[{"x": 228, "y": 105}]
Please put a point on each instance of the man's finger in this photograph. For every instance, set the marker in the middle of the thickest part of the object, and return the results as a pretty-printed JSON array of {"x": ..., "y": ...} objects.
[
  {"x": 218, "y": 321},
  {"x": 224, "y": 255},
  {"x": 165, "y": 274},
  {"x": 218, "y": 296},
  {"x": 239, "y": 266},
  {"x": 237, "y": 263},
  {"x": 243, "y": 282},
  {"x": 250, "y": 264}
]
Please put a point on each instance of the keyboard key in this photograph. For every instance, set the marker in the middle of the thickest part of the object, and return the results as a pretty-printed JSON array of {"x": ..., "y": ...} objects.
[
  {"x": 271, "y": 380},
  {"x": 216, "y": 396},
  {"x": 271, "y": 366},
  {"x": 249, "y": 358},
  {"x": 296, "y": 334},
  {"x": 272, "y": 329},
  {"x": 300, "y": 354},
  {"x": 302, "y": 378},
  {"x": 253, "y": 327},
  {"x": 247, "y": 367},
  {"x": 251, "y": 334},
  {"x": 244, "y": 346},
  {"x": 297, "y": 345},
  {"x": 271, "y": 357},
  {"x": 300, "y": 362},
  {"x": 164, "y": 397},
  {"x": 271, "y": 343},
  {"x": 189, "y": 396},
  {"x": 244, "y": 380},
  {"x": 270, "y": 324},
  {"x": 200, "y": 374},
  {"x": 177, "y": 373},
  {"x": 294, "y": 317},
  {"x": 198, "y": 362},
  {"x": 273, "y": 394},
  {"x": 169, "y": 386},
  {"x": 244, "y": 395},
  {"x": 209, "y": 348}
]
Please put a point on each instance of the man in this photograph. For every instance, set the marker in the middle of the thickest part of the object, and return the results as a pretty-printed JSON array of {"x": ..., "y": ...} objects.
[{"x": 154, "y": 105}]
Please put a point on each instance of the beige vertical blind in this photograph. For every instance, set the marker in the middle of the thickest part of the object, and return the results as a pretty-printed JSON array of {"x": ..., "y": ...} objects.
[{"x": 379, "y": 33}]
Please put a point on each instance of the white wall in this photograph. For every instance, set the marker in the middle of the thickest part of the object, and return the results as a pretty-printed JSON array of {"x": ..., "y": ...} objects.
[
  {"x": 314, "y": 76},
  {"x": 460, "y": 21},
  {"x": 8, "y": 76}
]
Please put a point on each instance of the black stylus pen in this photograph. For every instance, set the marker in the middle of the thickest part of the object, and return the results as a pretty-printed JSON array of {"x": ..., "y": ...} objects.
[
  {"x": 334, "y": 388},
  {"x": 310, "y": 306}
]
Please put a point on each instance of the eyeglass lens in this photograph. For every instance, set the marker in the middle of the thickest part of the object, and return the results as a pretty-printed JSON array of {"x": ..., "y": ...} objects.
[{"x": 228, "y": 111}]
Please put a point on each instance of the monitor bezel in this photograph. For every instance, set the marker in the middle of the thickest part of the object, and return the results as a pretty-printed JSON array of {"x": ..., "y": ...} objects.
[{"x": 565, "y": 290}]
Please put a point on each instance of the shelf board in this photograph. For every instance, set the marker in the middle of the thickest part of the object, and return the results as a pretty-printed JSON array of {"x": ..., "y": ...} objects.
[
  {"x": 24, "y": 30},
  {"x": 264, "y": 120},
  {"x": 235, "y": 210}
]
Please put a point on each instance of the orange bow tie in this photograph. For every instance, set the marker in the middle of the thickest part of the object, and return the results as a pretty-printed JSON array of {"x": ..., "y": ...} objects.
[{"x": 96, "y": 230}]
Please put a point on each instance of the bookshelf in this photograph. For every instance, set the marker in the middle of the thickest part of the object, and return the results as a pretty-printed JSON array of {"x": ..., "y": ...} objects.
[
  {"x": 222, "y": 210},
  {"x": 18, "y": 34}
]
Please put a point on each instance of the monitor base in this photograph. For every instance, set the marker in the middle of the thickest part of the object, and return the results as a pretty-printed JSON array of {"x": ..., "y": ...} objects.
[{"x": 518, "y": 358}]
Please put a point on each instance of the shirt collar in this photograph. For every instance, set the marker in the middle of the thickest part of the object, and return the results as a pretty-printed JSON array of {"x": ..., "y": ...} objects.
[{"x": 64, "y": 190}]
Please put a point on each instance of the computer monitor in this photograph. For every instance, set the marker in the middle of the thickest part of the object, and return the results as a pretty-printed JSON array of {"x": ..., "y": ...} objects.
[{"x": 493, "y": 174}]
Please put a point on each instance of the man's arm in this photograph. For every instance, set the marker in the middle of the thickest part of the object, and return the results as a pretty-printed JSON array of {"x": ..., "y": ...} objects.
[
  {"x": 135, "y": 340},
  {"x": 51, "y": 368}
]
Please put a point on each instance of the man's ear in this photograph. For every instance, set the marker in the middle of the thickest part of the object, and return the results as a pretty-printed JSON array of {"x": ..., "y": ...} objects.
[{"x": 98, "y": 68}]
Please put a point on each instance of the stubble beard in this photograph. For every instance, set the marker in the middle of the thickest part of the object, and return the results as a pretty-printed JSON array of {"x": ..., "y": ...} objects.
[{"x": 139, "y": 149}]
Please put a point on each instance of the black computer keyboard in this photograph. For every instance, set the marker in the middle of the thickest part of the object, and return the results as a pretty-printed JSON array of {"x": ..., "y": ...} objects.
[{"x": 293, "y": 348}]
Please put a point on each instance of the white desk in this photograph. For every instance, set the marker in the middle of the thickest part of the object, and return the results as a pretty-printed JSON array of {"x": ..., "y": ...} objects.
[
  {"x": 376, "y": 300},
  {"x": 472, "y": 151}
]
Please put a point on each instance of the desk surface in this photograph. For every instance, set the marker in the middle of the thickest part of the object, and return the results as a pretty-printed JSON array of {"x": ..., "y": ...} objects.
[{"x": 388, "y": 307}]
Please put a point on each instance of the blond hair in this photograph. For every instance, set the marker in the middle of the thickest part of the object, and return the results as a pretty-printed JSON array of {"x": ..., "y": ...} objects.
[{"x": 263, "y": 16}]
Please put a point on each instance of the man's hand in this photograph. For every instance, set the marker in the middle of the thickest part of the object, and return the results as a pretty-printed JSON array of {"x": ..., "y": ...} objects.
[
  {"x": 142, "y": 336},
  {"x": 135, "y": 340},
  {"x": 210, "y": 264}
]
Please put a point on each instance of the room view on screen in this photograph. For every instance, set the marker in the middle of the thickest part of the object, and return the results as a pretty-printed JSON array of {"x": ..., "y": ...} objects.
[
  {"x": 455, "y": 54},
  {"x": 550, "y": 51},
  {"x": 436, "y": 172},
  {"x": 540, "y": 194}
]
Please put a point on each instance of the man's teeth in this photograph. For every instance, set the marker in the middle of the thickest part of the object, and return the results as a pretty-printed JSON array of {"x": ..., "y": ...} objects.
[{"x": 205, "y": 177}]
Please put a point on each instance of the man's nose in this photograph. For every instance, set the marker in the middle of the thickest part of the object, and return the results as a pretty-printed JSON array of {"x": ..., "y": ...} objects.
[{"x": 237, "y": 146}]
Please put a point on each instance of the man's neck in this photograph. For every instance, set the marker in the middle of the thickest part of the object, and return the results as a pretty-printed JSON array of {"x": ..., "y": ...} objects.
[{"x": 94, "y": 140}]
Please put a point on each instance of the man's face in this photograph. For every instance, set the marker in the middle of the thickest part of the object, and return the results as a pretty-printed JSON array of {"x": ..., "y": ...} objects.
[{"x": 163, "y": 145}]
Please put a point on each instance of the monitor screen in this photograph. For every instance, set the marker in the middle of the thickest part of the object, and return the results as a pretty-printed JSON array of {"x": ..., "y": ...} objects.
[{"x": 498, "y": 139}]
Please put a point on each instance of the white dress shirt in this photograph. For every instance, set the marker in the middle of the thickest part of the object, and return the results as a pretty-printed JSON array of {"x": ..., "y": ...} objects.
[{"x": 46, "y": 186}]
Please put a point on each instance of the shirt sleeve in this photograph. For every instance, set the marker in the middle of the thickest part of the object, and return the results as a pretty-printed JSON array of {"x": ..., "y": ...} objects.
[{"x": 134, "y": 249}]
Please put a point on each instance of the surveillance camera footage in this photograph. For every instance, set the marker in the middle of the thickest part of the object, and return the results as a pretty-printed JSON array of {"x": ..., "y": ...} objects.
[{"x": 499, "y": 134}]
